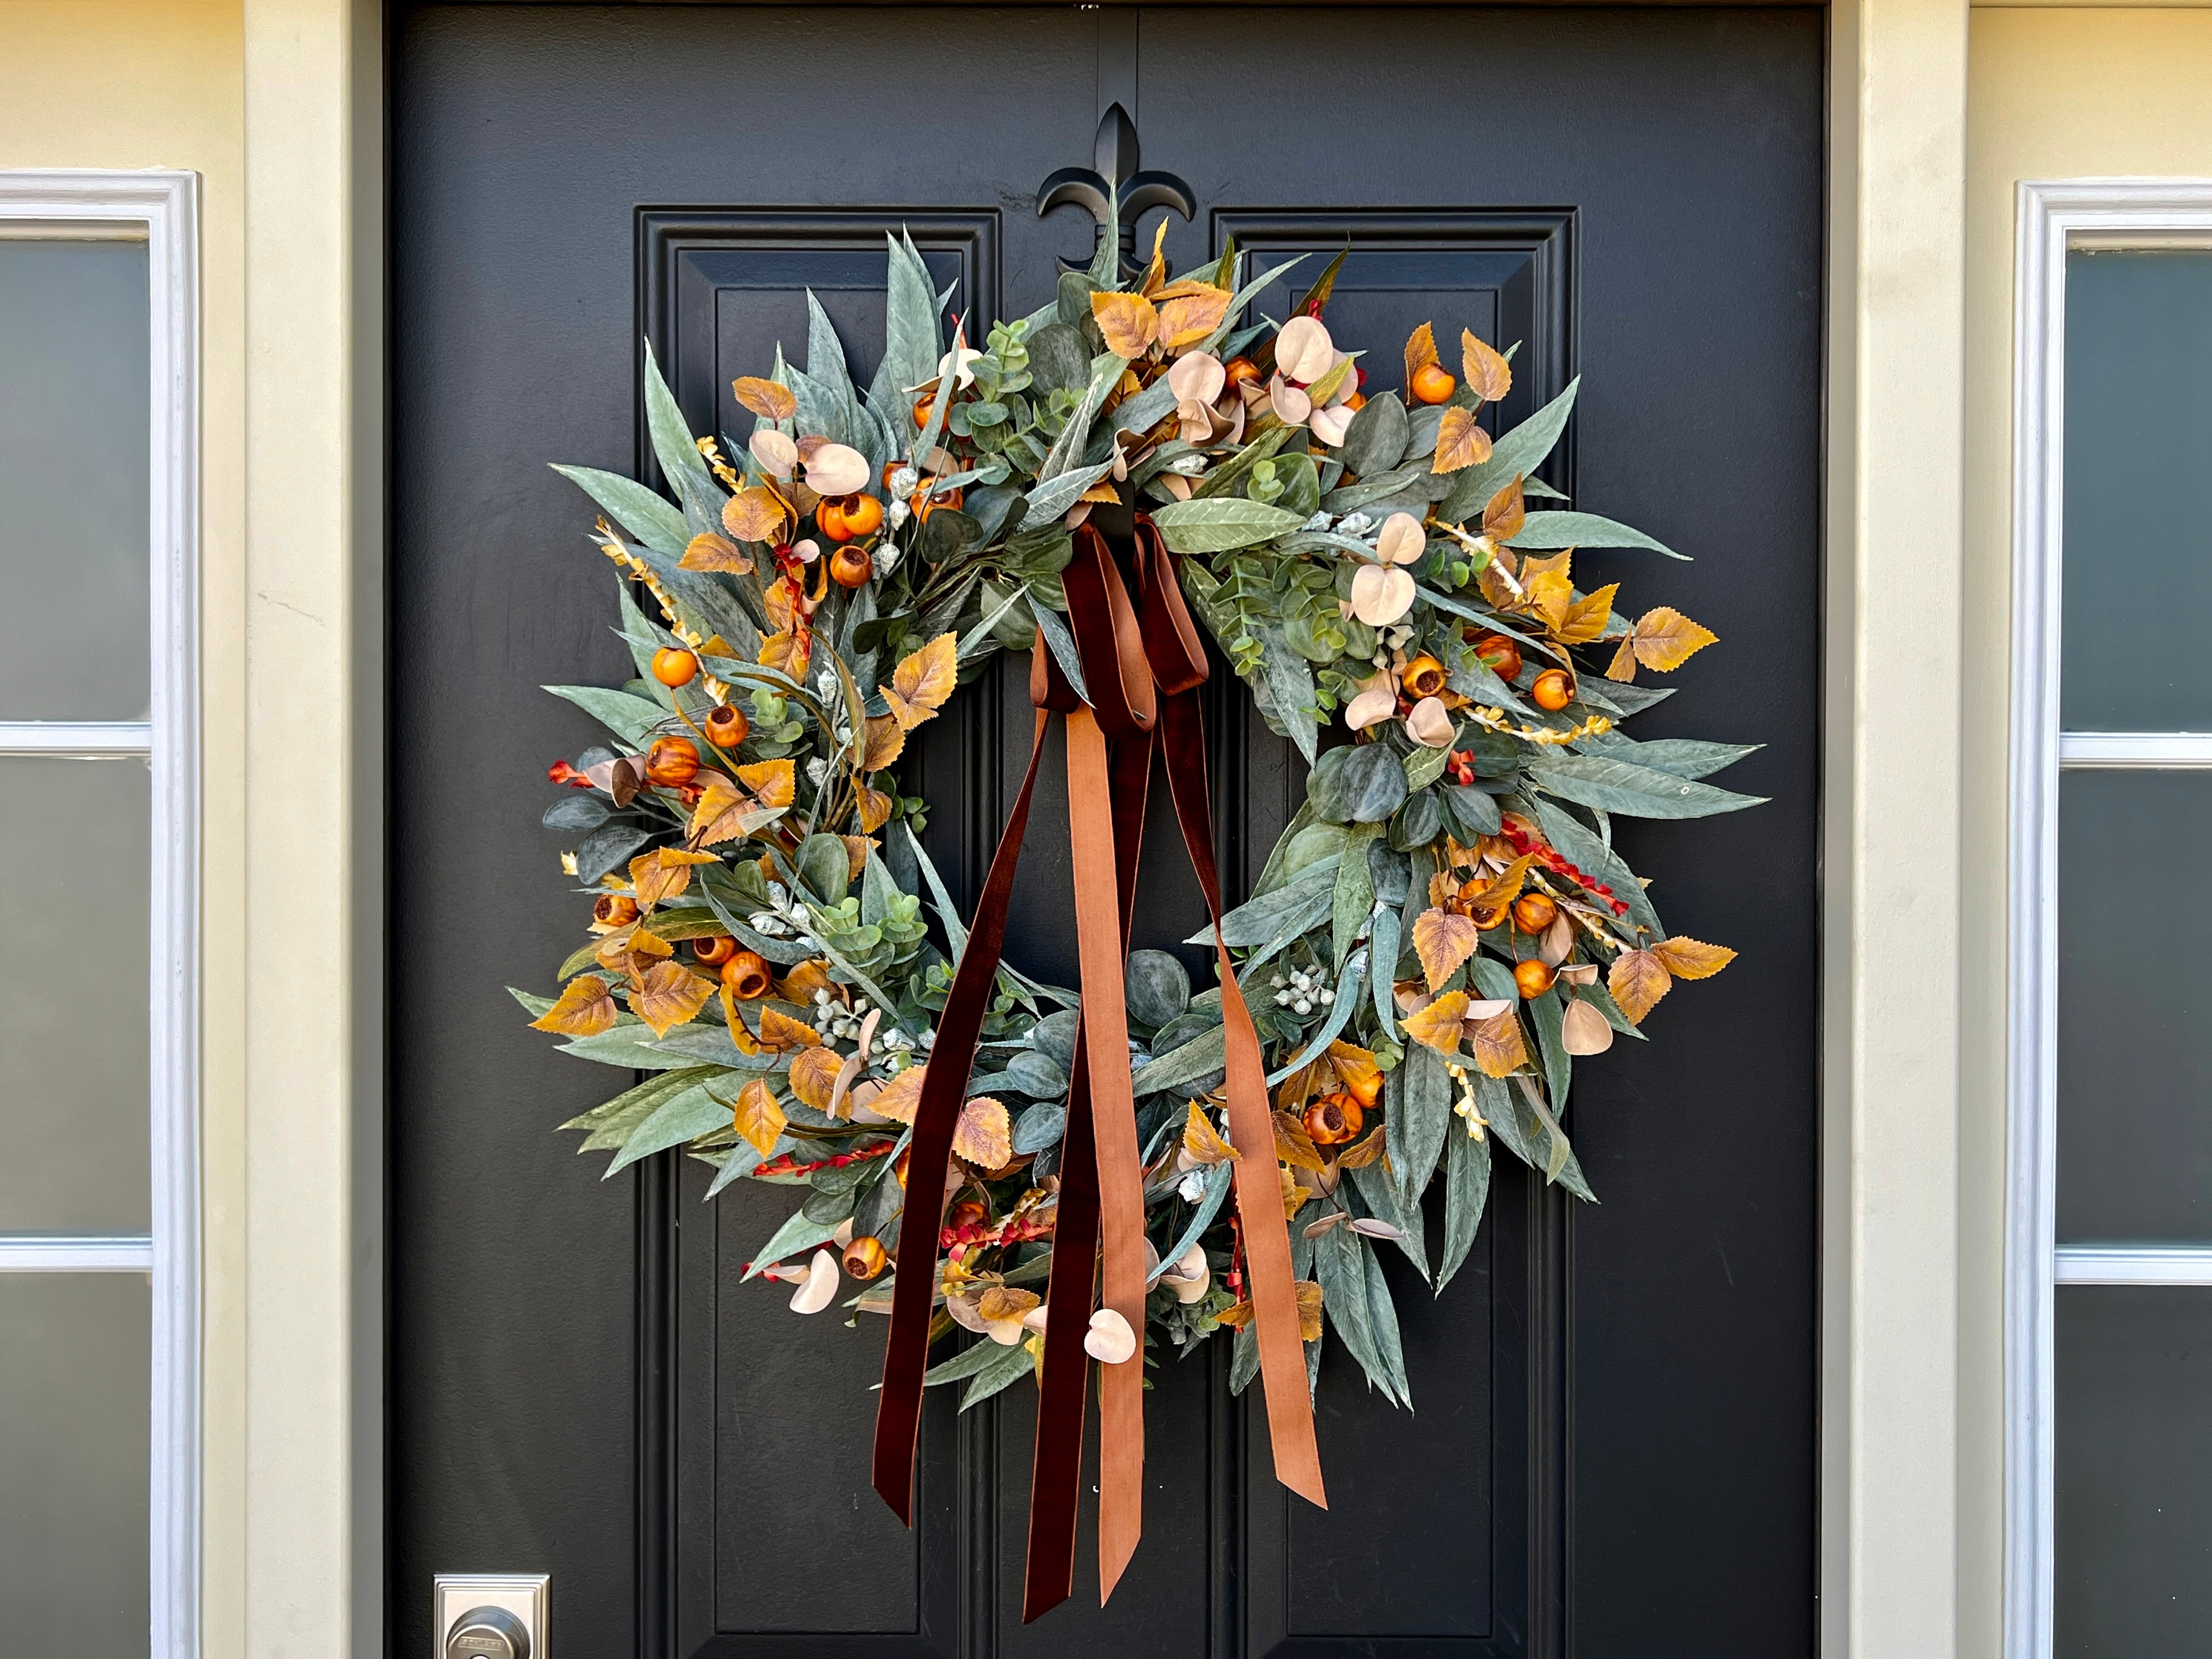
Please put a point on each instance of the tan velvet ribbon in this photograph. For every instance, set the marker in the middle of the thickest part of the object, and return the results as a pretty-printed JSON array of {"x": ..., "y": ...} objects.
[{"x": 1142, "y": 666}]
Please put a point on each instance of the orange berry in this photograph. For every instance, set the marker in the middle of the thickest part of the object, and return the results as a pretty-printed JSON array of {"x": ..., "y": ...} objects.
[
  {"x": 672, "y": 667},
  {"x": 1554, "y": 690},
  {"x": 864, "y": 514},
  {"x": 1533, "y": 978},
  {"x": 1333, "y": 1120},
  {"x": 1431, "y": 385},
  {"x": 615, "y": 910},
  {"x": 849, "y": 567},
  {"x": 747, "y": 976},
  {"x": 1534, "y": 912},
  {"x": 726, "y": 726},
  {"x": 864, "y": 1258},
  {"x": 1424, "y": 676},
  {"x": 714, "y": 951},
  {"x": 1239, "y": 371},
  {"x": 1501, "y": 655},
  {"x": 672, "y": 762}
]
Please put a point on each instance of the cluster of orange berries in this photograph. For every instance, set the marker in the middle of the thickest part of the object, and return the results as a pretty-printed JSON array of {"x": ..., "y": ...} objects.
[{"x": 1339, "y": 1115}]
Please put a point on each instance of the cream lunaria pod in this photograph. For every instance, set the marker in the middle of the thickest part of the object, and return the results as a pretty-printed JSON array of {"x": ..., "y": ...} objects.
[
  {"x": 1330, "y": 424},
  {"x": 1109, "y": 1340},
  {"x": 1401, "y": 539},
  {"x": 1380, "y": 596},
  {"x": 1291, "y": 404},
  {"x": 1584, "y": 1030},
  {"x": 1188, "y": 1276},
  {"x": 1376, "y": 701},
  {"x": 777, "y": 454},
  {"x": 836, "y": 470},
  {"x": 1303, "y": 351},
  {"x": 806, "y": 552},
  {"x": 1430, "y": 725},
  {"x": 967, "y": 355},
  {"x": 1197, "y": 378},
  {"x": 819, "y": 1287}
]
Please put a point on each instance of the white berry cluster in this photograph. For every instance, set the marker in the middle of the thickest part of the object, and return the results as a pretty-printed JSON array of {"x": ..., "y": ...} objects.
[{"x": 1301, "y": 991}]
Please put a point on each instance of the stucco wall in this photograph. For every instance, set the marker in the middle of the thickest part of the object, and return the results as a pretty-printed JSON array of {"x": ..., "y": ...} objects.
[
  {"x": 2055, "y": 92},
  {"x": 160, "y": 83}
]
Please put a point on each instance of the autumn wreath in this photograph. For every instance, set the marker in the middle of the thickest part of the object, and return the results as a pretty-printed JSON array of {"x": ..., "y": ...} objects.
[{"x": 1443, "y": 930}]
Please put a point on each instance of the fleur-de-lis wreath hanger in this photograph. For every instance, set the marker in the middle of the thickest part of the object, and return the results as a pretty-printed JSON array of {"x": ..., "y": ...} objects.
[{"x": 1115, "y": 180}]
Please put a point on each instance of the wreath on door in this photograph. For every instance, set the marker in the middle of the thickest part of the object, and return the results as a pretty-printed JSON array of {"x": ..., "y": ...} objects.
[{"x": 1443, "y": 930}]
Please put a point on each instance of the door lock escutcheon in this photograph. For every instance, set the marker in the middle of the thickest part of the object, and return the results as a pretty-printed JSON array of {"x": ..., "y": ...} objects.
[{"x": 489, "y": 1615}]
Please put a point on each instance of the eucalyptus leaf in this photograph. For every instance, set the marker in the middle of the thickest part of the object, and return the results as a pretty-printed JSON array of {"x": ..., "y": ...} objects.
[
  {"x": 636, "y": 508},
  {"x": 1290, "y": 686},
  {"x": 1466, "y": 1190},
  {"x": 1037, "y": 1074},
  {"x": 607, "y": 847},
  {"x": 1375, "y": 439},
  {"x": 1547, "y": 530},
  {"x": 1222, "y": 524},
  {"x": 825, "y": 866},
  {"x": 1040, "y": 1126},
  {"x": 1158, "y": 986},
  {"x": 578, "y": 811},
  {"x": 683, "y": 1116},
  {"x": 1643, "y": 792}
]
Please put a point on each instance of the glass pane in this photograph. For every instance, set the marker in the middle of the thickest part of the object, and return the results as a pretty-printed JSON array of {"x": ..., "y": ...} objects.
[
  {"x": 2138, "y": 586},
  {"x": 74, "y": 391},
  {"x": 76, "y": 864},
  {"x": 2133, "y": 1441},
  {"x": 2135, "y": 1007},
  {"x": 76, "y": 1386}
]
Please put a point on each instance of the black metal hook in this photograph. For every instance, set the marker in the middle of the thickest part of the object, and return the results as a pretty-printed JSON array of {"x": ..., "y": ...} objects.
[{"x": 1115, "y": 179}]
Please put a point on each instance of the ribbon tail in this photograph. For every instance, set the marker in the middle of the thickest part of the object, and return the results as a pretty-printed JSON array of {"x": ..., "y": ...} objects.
[
  {"x": 1251, "y": 1130},
  {"x": 906, "y": 1354}
]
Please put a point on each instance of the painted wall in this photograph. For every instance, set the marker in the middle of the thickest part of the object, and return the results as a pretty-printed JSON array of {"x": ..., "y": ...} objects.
[
  {"x": 161, "y": 84},
  {"x": 2054, "y": 92}
]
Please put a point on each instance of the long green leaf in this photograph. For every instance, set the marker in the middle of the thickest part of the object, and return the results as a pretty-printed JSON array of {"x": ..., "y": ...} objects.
[
  {"x": 1290, "y": 690},
  {"x": 1545, "y": 530},
  {"x": 1382, "y": 1327},
  {"x": 1009, "y": 1367},
  {"x": 1467, "y": 1189},
  {"x": 1419, "y": 1115},
  {"x": 681, "y": 463},
  {"x": 1179, "y": 1068},
  {"x": 1221, "y": 524},
  {"x": 798, "y": 1233},
  {"x": 647, "y": 517},
  {"x": 609, "y": 1123},
  {"x": 1067, "y": 449},
  {"x": 684, "y": 1117},
  {"x": 1642, "y": 792},
  {"x": 629, "y": 717}
]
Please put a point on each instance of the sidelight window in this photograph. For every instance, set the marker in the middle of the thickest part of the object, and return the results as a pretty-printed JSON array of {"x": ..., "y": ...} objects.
[
  {"x": 2110, "y": 1318},
  {"x": 99, "y": 1152}
]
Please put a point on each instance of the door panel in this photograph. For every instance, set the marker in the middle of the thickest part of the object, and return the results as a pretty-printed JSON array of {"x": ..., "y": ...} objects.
[{"x": 1613, "y": 1452}]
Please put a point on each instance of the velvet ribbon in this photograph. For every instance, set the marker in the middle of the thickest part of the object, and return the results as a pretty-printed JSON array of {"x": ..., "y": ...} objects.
[{"x": 1142, "y": 665}]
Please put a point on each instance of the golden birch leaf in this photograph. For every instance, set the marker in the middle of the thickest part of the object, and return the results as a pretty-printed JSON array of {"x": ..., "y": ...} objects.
[
  {"x": 1356, "y": 1067},
  {"x": 664, "y": 874},
  {"x": 758, "y": 1117},
  {"x": 1129, "y": 322},
  {"x": 1293, "y": 1145},
  {"x": 586, "y": 1007},
  {"x": 1156, "y": 268},
  {"x": 984, "y": 1136},
  {"x": 720, "y": 815},
  {"x": 857, "y": 848},
  {"x": 886, "y": 741},
  {"x": 670, "y": 994},
  {"x": 785, "y": 652},
  {"x": 899, "y": 1098},
  {"x": 1498, "y": 1046},
  {"x": 1004, "y": 1302},
  {"x": 1189, "y": 318},
  {"x": 1637, "y": 981},
  {"x": 1623, "y": 667},
  {"x": 746, "y": 1042},
  {"x": 708, "y": 552},
  {"x": 1236, "y": 1315},
  {"x": 814, "y": 1075},
  {"x": 1309, "y": 1295},
  {"x": 923, "y": 680},
  {"x": 754, "y": 514},
  {"x": 1437, "y": 1025},
  {"x": 1202, "y": 1142},
  {"x": 1665, "y": 639},
  {"x": 1443, "y": 940},
  {"x": 1687, "y": 959},
  {"x": 1459, "y": 441},
  {"x": 874, "y": 807},
  {"x": 1488, "y": 374},
  {"x": 799, "y": 986},
  {"x": 1365, "y": 1150},
  {"x": 1420, "y": 351},
  {"x": 1551, "y": 595},
  {"x": 1587, "y": 616},
  {"x": 1294, "y": 1196},
  {"x": 765, "y": 398},
  {"x": 775, "y": 782},
  {"x": 1501, "y": 892},
  {"x": 1505, "y": 513},
  {"x": 1584, "y": 1030},
  {"x": 779, "y": 1031}
]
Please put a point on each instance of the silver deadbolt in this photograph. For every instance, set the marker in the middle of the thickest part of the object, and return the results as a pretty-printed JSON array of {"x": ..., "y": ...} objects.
[{"x": 488, "y": 1633}]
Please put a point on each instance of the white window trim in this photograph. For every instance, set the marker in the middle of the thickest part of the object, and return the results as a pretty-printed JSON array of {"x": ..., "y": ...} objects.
[
  {"x": 2053, "y": 218},
  {"x": 162, "y": 207}
]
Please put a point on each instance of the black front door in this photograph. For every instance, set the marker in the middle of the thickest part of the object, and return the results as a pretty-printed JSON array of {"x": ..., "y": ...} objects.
[{"x": 1614, "y": 1449}]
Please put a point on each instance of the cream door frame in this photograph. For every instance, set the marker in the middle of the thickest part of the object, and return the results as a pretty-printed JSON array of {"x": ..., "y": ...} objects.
[{"x": 1890, "y": 1394}]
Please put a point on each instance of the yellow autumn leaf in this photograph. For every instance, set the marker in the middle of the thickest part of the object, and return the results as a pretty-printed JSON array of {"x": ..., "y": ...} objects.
[
  {"x": 1587, "y": 616},
  {"x": 1357, "y": 1068},
  {"x": 664, "y": 874},
  {"x": 723, "y": 812},
  {"x": 1623, "y": 665},
  {"x": 586, "y": 1007},
  {"x": 1689, "y": 959},
  {"x": 1420, "y": 351},
  {"x": 765, "y": 398},
  {"x": 1665, "y": 639},
  {"x": 785, "y": 651},
  {"x": 1294, "y": 1196},
  {"x": 874, "y": 808},
  {"x": 1000, "y": 1303},
  {"x": 1127, "y": 322},
  {"x": 774, "y": 783},
  {"x": 746, "y": 1042},
  {"x": 1189, "y": 318},
  {"x": 1488, "y": 374},
  {"x": 1459, "y": 441},
  {"x": 1506, "y": 511},
  {"x": 1496, "y": 1043},
  {"x": 670, "y": 994},
  {"x": 1293, "y": 1145},
  {"x": 922, "y": 681},
  {"x": 886, "y": 741},
  {"x": 900, "y": 1098},
  {"x": 1310, "y": 1303},
  {"x": 1365, "y": 1150},
  {"x": 1639, "y": 979},
  {"x": 756, "y": 1115},
  {"x": 814, "y": 1075},
  {"x": 799, "y": 986},
  {"x": 984, "y": 1136},
  {"x": 708, "y": 552},
  {"x": 1443, "y": 940},
  {"x": 779, "y": 1031},
  {"x": 1155, "y": 269},
  {"x": 755, "y": 513},
  {"x": 1551, "y": 596},
  {"x": 857, "y": 848},
  {"x": 1202, "y": 1142},
  {"x": 1437, "y": 1025}
]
